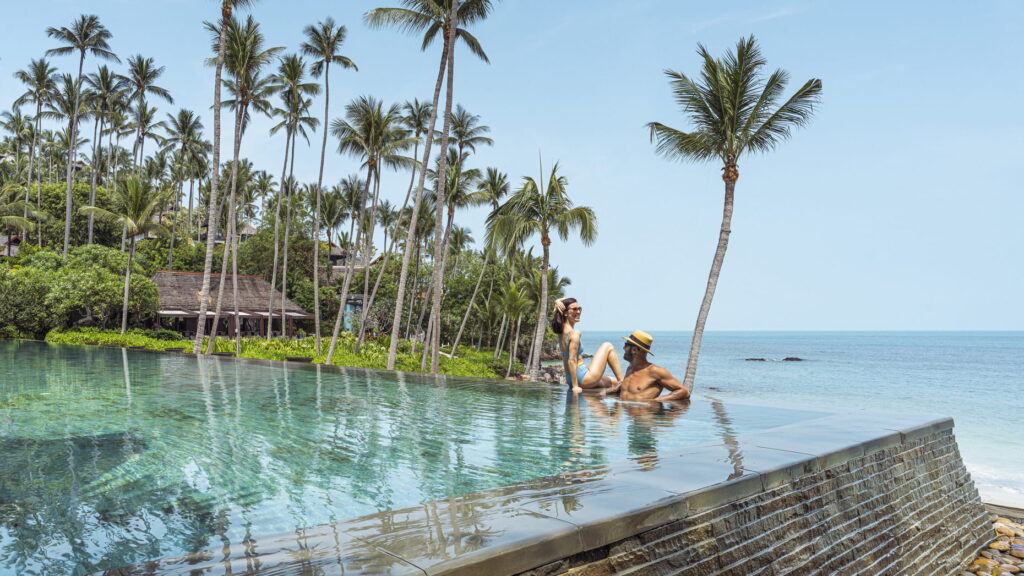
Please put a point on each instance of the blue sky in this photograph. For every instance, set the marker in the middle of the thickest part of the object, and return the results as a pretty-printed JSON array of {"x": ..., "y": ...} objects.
[{"x": 898, "y": 208}]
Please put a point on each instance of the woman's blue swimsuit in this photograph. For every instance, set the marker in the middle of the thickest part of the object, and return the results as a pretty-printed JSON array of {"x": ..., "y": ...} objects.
[{"x": 581, "y": 370}]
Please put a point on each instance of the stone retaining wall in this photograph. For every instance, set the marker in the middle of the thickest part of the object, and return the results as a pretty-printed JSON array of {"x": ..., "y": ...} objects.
[{"x": 909, "y": 509}]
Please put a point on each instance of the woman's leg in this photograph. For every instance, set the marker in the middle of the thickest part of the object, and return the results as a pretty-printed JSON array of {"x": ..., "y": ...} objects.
[{"x": 605, "y": 356}]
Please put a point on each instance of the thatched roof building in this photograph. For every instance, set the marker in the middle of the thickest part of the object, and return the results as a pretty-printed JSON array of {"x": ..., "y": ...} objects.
[{"x": 179, "y": 298}]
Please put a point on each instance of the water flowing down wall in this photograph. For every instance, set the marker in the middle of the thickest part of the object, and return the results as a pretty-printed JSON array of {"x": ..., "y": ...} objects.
[{"x": 842, "y": 494}]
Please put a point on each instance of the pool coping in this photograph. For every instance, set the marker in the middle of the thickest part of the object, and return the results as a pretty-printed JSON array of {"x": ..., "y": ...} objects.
[{"x": 523, "y": 526}]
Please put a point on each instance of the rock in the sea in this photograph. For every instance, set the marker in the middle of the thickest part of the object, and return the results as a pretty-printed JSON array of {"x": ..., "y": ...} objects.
[
  {"x": 755, "y": 359},
  {"x": 792, "y": 359}
]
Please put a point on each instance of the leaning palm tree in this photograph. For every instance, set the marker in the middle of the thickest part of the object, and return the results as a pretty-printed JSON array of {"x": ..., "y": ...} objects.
[
  {"x": 493, "y": 187},
  {"x": 530, "y": 212},
  {"x": 734, "y": 110},
  {"x": 40, "y": 80},
  {"x": 135, "y": 204},
  {"x": 141, "y": 79},
  {"x": 432, "y": 18},
  {"x": 323, "y": 42},
  {"x": 85, "y": 35},
  {"x": 226, "y": 9}
]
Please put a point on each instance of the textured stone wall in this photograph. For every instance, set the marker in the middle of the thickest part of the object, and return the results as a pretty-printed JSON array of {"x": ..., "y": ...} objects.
[{"x": 907, "y": 510}]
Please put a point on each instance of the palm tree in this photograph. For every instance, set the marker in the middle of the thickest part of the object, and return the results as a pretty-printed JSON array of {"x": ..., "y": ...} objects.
[
  {"x": 467, "y": 132},
  {"x": 67, "y": 102},
  {"x": 226, "y": 9},
  {"x": 461, "y": 238},
  {"x": 432, "y": 18},
  {"x": 376, "y": 135},
  {"x": 530, "y": 211},
  {"x": 141, "y": 78},
  {"x": 15, "y": 213},
  {"x": 108, "y": 91},
  {"x": 40, "y": 80},
  {"x": 387, "y": 215},
  {"x": 323, "y": 42},
  {"x": 333, "y": 212},
  {"x": 85, "y": 34},
  {"x": 19, "y": 127},
  {"x": 184, "y": 134},
  {"x": 146, "y": 127},
  {"x": 734, "y": 110},
  {"x": 515, "y": 305},
  {"x": 290, "y": 80},
  {"x": 245, "y": 57},
  {"x": 135, "y": 203}
]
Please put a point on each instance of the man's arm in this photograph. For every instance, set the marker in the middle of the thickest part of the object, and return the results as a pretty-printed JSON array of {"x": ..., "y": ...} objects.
[{"x": 667, "y": 380}]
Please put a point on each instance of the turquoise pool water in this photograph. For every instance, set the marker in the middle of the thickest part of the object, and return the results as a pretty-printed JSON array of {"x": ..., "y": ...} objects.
[{"x": 110, "y": 457}]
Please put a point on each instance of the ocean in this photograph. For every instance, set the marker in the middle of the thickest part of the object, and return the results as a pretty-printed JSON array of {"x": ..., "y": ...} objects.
[{"x": 975, "y": 377}]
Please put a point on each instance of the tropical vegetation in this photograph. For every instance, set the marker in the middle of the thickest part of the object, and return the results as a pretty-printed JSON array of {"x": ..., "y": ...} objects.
[{"x": 103, "y": 181}]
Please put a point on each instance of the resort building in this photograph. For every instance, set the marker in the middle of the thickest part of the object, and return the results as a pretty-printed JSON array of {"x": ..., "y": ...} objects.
[
  {"x": 9, "y": 245},
  {"x": 179, "y": 304}
]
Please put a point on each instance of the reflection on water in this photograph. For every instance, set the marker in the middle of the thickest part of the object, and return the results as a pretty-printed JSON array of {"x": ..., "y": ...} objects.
[{"x": 111, "y": 457}]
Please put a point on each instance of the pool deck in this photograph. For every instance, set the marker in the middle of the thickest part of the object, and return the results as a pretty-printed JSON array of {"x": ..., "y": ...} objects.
[{"x": 524, "y": 526}]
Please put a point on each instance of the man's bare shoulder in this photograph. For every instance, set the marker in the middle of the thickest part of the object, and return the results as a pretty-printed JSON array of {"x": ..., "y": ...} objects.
[{"x": 660, "y": 372}]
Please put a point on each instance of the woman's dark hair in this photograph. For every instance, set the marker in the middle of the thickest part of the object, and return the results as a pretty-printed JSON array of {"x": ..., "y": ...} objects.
[{"x": 559, "y": 320}]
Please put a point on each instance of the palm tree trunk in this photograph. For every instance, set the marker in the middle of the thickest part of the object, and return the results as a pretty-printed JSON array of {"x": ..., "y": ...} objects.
[
  {"x": 31, "y": 164},
  {"x": 72, "y": 151},
  {"x": 127, "y": 284},
  {"x": 442, "y": 170},
  {"x": 501, "y": 336},
  {"x": 287, "y": 235},
  {"x": 487, "y": 258},
  {"x": 96, "y": 131},
  {"x": 538, "y": 338},
  {"x": 191, "y": 187},
  {"x": 412, "y": 295},
  {"x": 349, "y": 267},
  {"x": 513, "y": 346},
  {"x": 316, "y": 210},
  {"x": 228, "y": 237},
  {"x": 214, "y": 212},
  {"x": 174, "y": 226},
  {"x": 277, "y": 221},
  {"x": 388, "y": 250},
  {"x": 709, "y": 292},
  {"x": 411, "y": 236},
  {"x": 365, "y": 312}
]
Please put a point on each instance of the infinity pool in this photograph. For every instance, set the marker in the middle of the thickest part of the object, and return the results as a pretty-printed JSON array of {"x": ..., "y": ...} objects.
[{"x": 111, "y": 457}]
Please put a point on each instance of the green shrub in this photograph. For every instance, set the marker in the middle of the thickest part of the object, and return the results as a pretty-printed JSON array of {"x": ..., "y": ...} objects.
[
  {"x": 373, "y": 354},
  {"x": 162, "y": 334}
]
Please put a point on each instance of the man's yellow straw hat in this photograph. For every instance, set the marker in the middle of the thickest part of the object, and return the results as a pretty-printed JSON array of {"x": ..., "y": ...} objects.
[{"x": 641, "y": 340}]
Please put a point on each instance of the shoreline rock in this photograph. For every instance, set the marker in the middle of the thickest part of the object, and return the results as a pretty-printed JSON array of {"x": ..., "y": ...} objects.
[{"x": 1004, "y": 554}]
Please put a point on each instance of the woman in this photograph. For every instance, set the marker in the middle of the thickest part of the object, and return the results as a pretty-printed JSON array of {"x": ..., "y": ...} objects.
[{"x": 577, "y": 375}]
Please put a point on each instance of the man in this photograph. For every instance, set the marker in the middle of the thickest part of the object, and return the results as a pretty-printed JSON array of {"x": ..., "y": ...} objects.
[{"x": 646, "y": 381}]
